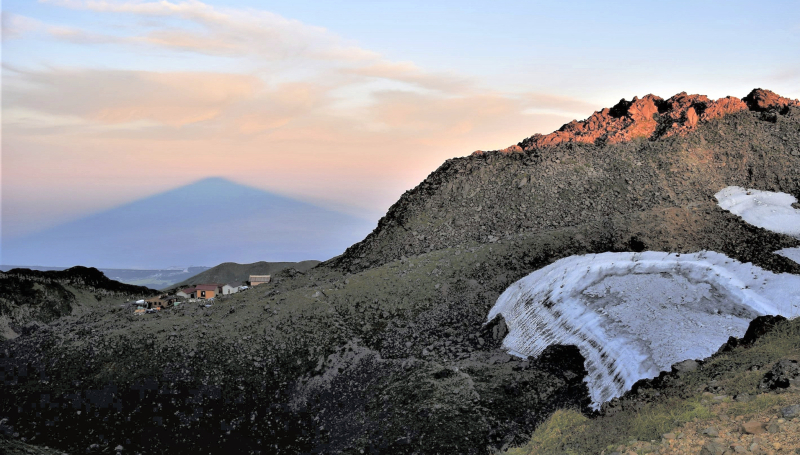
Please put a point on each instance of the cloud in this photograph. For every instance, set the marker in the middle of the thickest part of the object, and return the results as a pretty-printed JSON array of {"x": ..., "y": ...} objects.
[
  {"x": 410, "y": 73},
  {"x": 418, "y": 113},
  {"x": 229, "y": 31},
  {"x": 544, "y": 102},
  {"x": 119, "y": 96},
  {"x": 79, "y": 36},
  {"x": 15, "y": 25}
]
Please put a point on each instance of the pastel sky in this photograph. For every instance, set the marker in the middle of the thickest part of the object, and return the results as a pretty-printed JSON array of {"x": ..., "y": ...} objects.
[{"x": 342, "y": 103}]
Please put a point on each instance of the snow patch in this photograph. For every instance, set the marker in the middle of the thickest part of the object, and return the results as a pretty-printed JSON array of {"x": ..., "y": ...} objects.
[
  {"x": 633, "y": 315},
  {"x": 791, "y": 253},
  {"x": 765, "y": 209}
]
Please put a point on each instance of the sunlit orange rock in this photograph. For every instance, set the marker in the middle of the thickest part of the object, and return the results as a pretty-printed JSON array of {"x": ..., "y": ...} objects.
[{"x": 652, "y": 117}]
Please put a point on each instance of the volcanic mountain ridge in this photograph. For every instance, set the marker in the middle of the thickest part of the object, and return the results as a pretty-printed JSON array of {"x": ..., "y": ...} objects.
[
  {"x": 636, "y": 170},
  {"x": 653, "y": 117}
]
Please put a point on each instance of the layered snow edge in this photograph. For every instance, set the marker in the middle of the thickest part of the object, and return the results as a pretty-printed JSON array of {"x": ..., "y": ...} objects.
[{"x": 633, "y": 315}]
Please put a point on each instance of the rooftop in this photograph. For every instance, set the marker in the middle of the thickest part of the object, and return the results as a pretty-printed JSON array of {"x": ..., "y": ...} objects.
[{"x": 206, "y": 287}]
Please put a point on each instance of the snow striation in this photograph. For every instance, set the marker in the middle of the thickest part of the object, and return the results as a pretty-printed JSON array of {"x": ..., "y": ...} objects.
[
  {"x": 633, "y": 315},
  {"x": 765, "y": 209}
]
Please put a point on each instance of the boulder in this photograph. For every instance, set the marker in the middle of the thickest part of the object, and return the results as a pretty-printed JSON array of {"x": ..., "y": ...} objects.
[
  {"x": 790, "y": 412},
  {"x": 685, "y": 366},
  {"x": 784, "y": 373},
  {"x": 712, "y": 448},
  {"x": 753, "y": 427}
]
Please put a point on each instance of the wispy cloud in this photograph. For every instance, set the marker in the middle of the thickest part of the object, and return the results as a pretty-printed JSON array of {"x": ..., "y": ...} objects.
[
  {"x": 230, "y": 31},
  {"x": 544, "y": 102},
  {"x": 116, "y": 96},
  {"x": 15, "y": 25}
]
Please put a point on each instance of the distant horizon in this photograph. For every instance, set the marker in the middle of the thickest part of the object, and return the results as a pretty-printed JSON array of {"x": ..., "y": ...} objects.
[{"x": 6, "y": 267}]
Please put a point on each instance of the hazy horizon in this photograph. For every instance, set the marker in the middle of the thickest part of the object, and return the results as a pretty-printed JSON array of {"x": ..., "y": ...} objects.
[{"x": 208, "y": 222}]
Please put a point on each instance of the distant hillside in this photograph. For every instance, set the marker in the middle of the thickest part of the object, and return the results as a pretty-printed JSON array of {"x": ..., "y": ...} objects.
[
  {"x": 44, "y": 296},
  {"x": 230, "y": 271},
  {"x": 155, "y": 279},
  {"x": 151, "y": 278}
]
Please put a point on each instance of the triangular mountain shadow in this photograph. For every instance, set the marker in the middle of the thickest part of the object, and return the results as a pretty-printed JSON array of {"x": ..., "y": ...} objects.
[{"x": 210, "y": 221}]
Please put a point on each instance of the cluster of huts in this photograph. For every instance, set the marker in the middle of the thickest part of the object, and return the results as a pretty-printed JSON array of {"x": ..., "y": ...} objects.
[{"x": 206, "y": 292}]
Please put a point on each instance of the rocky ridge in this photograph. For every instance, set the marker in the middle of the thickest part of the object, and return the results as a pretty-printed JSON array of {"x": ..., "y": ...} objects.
[
  {"x": 653, "y": 117},
  {"x": 621, "y": 167}
]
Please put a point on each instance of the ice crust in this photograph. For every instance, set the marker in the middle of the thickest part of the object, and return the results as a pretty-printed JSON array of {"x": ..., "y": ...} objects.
[
  {"x": 766, "y": 209},
  {"x": 633, "y": 315}
]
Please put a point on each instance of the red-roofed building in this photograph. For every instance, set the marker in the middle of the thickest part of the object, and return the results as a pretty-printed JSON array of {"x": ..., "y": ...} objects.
[{"x": 185, "y": 293}]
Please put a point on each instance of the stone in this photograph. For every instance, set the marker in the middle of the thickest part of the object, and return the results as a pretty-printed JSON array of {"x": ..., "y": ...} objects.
[
  {"x": 712, "y": 448},
  {"x": 711, "y": 432},
  {"x": 790, "y": 412},
  {"x": 760, "y": 326},
  {"x": 774, "y": 427},
  {"x": 668, "y": 436},
  {"x": 784, "y": 373},
  {"x": 753, "y": 427},
  {"x": 685, "y": 366},
  {"x": 761, "y": 100}
]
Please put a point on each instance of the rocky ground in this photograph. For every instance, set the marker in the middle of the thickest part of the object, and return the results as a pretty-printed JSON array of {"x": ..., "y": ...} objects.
[
  {"x": 29, "y": 298},
  {"x": 775, "y": 430},
  {"x": 747, "y": 393}
]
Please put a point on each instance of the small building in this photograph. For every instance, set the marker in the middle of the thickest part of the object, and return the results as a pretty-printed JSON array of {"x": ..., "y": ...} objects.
[
  {"x": 255, "y": 280},
  {"x": 171, "y": 300},
  {"x": 205, "y": 291},
  {"x": 218, "y": 285},
  {"x": 231, "y": 288},
  {"x": 155, "y": 302},
  {"x": 185, "y": 293}
]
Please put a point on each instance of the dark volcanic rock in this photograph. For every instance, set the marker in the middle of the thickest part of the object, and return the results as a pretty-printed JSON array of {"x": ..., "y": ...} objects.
[
  {"x": 758, "y": 327},
  {"x": 784, "y": 374}
]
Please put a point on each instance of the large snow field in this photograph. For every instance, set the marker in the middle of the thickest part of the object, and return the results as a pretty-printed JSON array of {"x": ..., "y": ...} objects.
[
  {"x": 766, "y": 209},
  {"x": 633, "y": 315}
]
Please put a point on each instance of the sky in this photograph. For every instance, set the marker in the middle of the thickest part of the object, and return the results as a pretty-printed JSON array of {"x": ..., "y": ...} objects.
[{"x": 346, "y": 104}]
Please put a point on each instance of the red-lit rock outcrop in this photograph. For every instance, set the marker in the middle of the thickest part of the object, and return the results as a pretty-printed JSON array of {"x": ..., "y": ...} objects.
[{"x": 652, "y": 117}]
